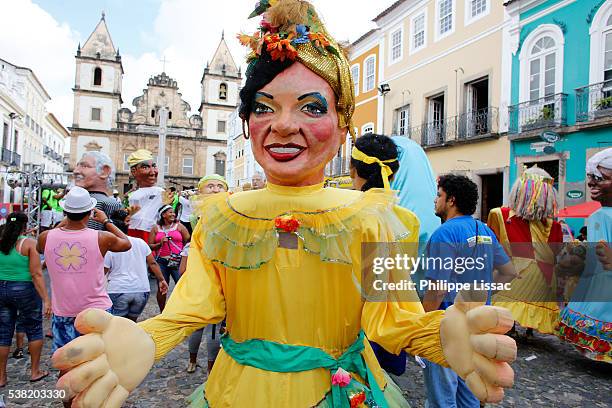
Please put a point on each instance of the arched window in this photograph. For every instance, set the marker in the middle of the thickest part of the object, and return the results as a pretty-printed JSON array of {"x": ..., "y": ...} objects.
[
  {"x": 98, "y": 76},
  {"x": 152, "y": 113},
  {"x": 542, "y": 68},
  {"x": 601, "y": 45},
  {"x": 223, "y": 92},
  {"x": 169, "y": 114},
  {"x": 541, "y": 63}
]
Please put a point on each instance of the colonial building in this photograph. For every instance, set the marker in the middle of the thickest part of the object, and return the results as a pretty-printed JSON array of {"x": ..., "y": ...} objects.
[
  {"x": 561, "y": 112},
  {"x": 195, "y": 143},
  {"x": 241, "y": 164},
  {"x": 28, "y": 133},
  {"x": 445, "y": 70}
]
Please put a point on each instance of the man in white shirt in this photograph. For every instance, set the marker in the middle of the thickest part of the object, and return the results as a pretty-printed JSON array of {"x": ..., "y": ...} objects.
[
  {"x": 128, "y": 280},
  {"x": 186, "y": 209},
  {"x": 148, "y": 197}
]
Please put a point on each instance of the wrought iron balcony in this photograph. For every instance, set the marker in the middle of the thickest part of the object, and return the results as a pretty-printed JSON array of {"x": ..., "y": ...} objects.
[
  {"x": 339, "y": 166},
  {"x": 11, "y": 158},
  {"x": 549, "y": 111},
  {"x": 478, "y": 123},
  {"x": 435, "y": 133},
  {"x": 594, "y": 101}
]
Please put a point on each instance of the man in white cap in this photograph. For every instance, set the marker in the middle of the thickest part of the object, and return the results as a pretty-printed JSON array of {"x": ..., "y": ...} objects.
[
  {"x": 148, "y": 197},
  {"x": 116, "y": 196},
  {"x": 74, "y": 255},
  {"x": 584, "y": 321}
]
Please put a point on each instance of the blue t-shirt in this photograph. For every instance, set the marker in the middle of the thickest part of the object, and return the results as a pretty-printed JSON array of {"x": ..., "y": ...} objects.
[{"x": 463, "y": 250}]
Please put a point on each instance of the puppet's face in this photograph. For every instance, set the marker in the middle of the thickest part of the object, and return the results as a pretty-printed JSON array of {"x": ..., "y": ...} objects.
[
  {"x": 86, "y": 175},
  {"x": 294, "y": 127},
  {"x": 601, "y": 187},
  {"x": 145, "y": 173},
  {"x": 213, "y": 187}
]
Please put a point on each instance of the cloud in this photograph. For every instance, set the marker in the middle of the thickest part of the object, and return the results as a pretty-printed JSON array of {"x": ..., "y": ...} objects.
[
  {"x": 185, "y": 32},
  {"x": 30, "y": 37}
]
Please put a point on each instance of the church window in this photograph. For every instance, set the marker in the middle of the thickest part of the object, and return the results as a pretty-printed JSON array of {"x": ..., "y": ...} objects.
[
  {"x": 98, "y": 76},
  {"x": 169, "y": 114},
  {"x": 223, "y": 92},
  {"x": 96, "y": 114},
  {"x": 220, "y": 126},
  {"x": 152, "y": 113},
  {"x": 188, "y": 166}
]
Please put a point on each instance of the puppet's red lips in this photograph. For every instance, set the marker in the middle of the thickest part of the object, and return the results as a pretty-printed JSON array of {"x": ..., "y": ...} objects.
[{"x": 284, "y": 152}]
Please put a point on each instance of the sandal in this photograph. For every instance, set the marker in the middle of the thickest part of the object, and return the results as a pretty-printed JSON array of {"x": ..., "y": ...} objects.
[
  {"x": 191, "y": 367},
  {"x": 18, "y": 353},
  {"x": 45, "y": 374}
]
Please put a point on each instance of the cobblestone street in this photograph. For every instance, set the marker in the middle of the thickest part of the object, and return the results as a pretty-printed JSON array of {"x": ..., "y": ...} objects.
[{"x": 557, "y": 377}]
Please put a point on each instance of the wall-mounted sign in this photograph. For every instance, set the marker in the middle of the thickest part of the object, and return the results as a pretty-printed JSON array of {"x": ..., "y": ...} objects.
[
  {"x": 550, "y": 136},
  {"x": 574, "y": 194}
]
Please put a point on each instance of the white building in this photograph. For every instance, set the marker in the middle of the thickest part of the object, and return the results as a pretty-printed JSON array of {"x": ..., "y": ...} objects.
[
  {"x": 241, "y": 164},
  {"x": 24, "y": 123},
  {"x": 55, "y": 139}
]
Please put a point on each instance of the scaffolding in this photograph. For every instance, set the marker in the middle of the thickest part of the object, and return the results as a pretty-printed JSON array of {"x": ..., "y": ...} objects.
[{"x": 32, "y": 182}]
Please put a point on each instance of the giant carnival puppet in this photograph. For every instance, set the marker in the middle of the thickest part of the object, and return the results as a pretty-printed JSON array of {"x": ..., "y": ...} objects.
[
  {"x": 282, "y": 265},
  {"x": 532, "y": 238}
]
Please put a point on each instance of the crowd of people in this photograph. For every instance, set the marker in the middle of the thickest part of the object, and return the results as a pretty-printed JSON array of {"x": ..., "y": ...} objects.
[{"x": 271, "y": 276}]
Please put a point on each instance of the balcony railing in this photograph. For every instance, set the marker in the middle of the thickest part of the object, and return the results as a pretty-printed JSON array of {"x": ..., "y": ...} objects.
[
  {"x": 339, "y": 166},
  {"x": 435, "y": 133},
  {"x": 549, "y": 111},
  {"x": 11, "y": 158},
  {"x": 478, "y": 123},
  {"x": 594, "y": 101}
]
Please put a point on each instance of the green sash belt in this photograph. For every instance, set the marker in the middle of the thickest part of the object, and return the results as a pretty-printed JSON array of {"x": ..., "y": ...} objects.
[{"x": 284, "y": 358}]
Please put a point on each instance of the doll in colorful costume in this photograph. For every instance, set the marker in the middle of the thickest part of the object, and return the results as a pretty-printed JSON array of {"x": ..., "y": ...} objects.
[
  {"x": 283, "y": 264},
  {"x": 532, "y": 238}
]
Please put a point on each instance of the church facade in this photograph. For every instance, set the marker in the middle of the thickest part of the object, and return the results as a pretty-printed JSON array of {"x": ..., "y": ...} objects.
[{"x": 196, "y": 143}]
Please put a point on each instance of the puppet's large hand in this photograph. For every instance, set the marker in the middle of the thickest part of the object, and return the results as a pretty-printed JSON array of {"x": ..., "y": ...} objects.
[
  {"x": 105, "y": 364},
  {"x": 476, "y": 349}
]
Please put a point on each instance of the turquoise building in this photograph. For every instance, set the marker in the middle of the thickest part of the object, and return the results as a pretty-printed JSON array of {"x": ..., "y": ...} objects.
[{"x": 560, "y": 111}]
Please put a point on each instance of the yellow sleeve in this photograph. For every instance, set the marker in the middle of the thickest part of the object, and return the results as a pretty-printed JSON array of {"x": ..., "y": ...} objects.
[
  {"x": 403, "y": 325},
  {"x": 197, "y": 300}
]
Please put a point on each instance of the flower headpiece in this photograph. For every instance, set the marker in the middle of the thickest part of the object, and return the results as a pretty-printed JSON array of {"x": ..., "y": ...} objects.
[{"x": 291, "y": 29}]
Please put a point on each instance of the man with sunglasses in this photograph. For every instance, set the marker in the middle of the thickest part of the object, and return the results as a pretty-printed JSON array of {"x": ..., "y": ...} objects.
[{"x": 586, "y": 320}]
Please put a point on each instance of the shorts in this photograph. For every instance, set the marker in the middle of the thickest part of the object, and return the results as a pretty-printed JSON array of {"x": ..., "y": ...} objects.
[
  {"x": 46, "y": 218},
  {"x": 129, "y": 305},
  {"x": 19, "y": 299},
  {"x": 57, "y": 216},
  {"x": 144, "y": 235},
  {"x": 64, "y": 331}
]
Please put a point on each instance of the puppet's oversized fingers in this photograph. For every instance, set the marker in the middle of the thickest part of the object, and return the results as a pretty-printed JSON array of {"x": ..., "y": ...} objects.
[
  {"x": 490, "y": 319},
  {"x": 494, "y": 372},
  {"x": 117, "y": 397},
  {"x": 484, "y": 391},
  {"x": 455, "y": 341},
  {"x": 97, "y": 393},
  {"x": 92, "y": 321},
  {"x": 81, "y": 377},
  {"x": 494, "y": 346},
  {"x": 78, "y": 351}
]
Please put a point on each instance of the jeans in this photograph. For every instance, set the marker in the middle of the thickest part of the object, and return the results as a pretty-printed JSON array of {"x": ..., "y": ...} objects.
[
  {"x": 128, "y": 305},
  {"x": 445, "y": 389},
  {"x": 213, "y": 345},
  {"x": 168, "y": 271},
  {"x": 64, "y": 331},
  {"x": 22, "y": 298}
]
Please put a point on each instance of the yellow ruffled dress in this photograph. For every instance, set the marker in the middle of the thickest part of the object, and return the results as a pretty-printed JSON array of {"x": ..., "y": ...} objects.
[
  {"x": 308, "y": 296},
  {"x": 529, "y": 298}
]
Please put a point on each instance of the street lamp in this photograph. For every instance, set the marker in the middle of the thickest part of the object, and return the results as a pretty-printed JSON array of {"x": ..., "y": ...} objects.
[{"x": 383, "y": 89}]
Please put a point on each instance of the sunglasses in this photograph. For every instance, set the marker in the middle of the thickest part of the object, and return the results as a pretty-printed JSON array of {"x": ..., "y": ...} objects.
[{"x": 597, "y": 179}]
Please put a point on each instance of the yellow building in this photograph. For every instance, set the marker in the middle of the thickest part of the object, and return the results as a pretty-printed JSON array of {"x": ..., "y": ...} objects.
[
  {"x": 448, "y": 84},
  {"x": 365, "y": 73}
]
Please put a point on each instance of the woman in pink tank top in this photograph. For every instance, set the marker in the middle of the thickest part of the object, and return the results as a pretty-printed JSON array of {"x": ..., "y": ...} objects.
[{"x": 167, "y": 239}]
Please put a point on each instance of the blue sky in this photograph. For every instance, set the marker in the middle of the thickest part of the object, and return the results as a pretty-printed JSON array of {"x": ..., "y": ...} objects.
[{"x": 43, "y": 36}]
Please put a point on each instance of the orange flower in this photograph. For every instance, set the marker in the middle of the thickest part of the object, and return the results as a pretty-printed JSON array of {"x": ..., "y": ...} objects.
[
  {"x": 319, "y": 39},
  {"x": 287, "y": 223},
  {"x": 280, "y": 49},
  {"x": 357, "y": 399}
]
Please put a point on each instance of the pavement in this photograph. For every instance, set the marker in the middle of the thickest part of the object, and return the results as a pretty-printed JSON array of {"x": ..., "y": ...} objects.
[{"x": 558, "y": 377}]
